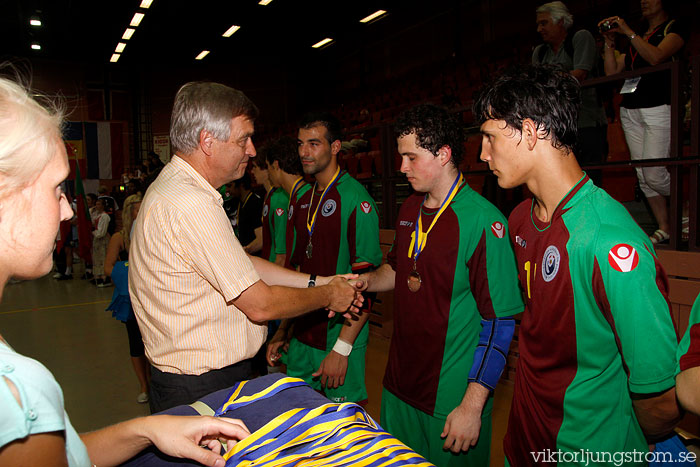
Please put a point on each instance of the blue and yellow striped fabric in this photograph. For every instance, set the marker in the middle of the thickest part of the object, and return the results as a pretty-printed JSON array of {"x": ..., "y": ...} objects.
[{"x": 329, "y": 435}]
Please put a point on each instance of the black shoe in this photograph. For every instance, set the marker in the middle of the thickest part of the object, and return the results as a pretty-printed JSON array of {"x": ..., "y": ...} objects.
[
  {"x": 64, "y": 277},
  {"x": 87, "y": 276}
]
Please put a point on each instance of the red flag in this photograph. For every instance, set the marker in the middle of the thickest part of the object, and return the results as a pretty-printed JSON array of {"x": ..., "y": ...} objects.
[{"x": 84, "y": 221}]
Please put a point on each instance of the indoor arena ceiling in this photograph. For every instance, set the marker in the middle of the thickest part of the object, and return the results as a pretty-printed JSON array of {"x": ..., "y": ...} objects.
[{"x": 174, "y": 32}]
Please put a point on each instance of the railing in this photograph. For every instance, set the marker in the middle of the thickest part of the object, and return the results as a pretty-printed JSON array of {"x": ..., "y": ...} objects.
[{"x": 676, "y": 162}]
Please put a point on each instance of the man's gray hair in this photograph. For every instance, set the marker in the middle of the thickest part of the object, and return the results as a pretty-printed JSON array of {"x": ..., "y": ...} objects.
[
  {"x": 559, "y": 13},
  {"x": 206, "y": 106}
]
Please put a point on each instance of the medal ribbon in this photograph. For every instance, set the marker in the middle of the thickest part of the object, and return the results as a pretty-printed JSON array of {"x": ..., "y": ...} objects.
[
  {"x": 421, "y": 238},
  {"x": 311, "y": 225},
  {"x": 299, "y": 182}
]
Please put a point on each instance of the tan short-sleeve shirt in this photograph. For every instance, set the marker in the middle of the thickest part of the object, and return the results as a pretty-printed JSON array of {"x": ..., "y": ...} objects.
[{"x": 185, "y": 267}]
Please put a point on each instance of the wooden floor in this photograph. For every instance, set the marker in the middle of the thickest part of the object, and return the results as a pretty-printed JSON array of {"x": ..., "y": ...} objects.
[{"x": 64, "y": 326}]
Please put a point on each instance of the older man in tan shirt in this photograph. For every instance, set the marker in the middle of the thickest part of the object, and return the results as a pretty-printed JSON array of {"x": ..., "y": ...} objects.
[{"x": 199, "y": 299}]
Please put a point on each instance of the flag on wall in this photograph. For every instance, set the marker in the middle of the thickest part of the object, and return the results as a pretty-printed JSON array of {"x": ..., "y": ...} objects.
[{"x": 97, "y": 148}]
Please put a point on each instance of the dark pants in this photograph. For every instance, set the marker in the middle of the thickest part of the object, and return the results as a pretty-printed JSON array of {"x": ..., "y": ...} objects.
[
  {"x": 592, "y": 149},
  {"x": 169, "y": 390}
]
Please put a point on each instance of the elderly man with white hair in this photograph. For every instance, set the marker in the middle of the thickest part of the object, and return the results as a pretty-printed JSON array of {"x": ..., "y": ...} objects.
[{"x": 575, "y": 53}]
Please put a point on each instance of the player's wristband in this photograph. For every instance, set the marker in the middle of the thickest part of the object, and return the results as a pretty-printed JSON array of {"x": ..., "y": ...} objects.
[
  {"x": 343, "y": 348},
  {"x": 312, "y": 280}
]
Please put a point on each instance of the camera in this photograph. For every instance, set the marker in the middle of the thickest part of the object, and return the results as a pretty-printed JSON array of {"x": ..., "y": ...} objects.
[{"x": 607, "y": 26}]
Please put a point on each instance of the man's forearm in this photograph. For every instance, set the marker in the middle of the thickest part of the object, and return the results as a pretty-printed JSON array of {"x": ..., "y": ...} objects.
[
  {"x": 274, "y": 274},
  {"x": 262, "y": 303}
]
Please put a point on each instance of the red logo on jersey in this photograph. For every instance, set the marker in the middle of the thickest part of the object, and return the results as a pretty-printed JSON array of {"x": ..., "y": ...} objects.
[
  {"x": 366, "y": 207},
  {"x": 498, "y": 229},
  {"x": 623, "y": 258},
  {"x": 279, "y": 211}
]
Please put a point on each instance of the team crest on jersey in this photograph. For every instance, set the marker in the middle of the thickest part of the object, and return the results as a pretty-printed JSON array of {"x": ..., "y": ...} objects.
[
  {"x": 623, "y": 258},
  {"x": 328, "y": 208},
  {"x": 550, "y": 263},
  {"x": 366, "y": 207},
  {"x": 266, "y": 210},
  {"x": 520, "y": 241},
  {"x": 498, "y": 229},
  {"x": 279, "y": 211},
  {"x": 291, "y": 211}
]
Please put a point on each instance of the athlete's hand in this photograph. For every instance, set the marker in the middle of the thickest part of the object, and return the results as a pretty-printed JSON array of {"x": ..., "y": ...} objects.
[
  {"x": 344, "y": 298},
  {"x": 361, "y": 283},
  {"x": 278, "y": 341},
  {"x": 332, "y": 370},
  {"x": 461, "y": 430}
]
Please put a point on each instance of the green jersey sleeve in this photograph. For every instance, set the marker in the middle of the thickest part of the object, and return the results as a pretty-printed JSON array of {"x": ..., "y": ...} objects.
[{"x": 630, "y": 287}]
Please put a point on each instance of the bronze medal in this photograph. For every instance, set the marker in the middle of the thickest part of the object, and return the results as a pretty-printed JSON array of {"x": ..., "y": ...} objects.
[
  {"x": 414, "y": 281},
  {"x": 309, "y": 249}
]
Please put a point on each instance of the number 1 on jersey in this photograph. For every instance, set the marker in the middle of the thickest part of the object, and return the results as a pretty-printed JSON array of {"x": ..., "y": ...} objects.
[{"x": 527, "y": 269}]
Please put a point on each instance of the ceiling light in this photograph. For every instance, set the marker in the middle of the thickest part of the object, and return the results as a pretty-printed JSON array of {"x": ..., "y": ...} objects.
[
  {"x": 136, "y": 20},
  {"x": 202, "y": 54},
  {"x": 229, "y": 32},
  {"x": 128, "y": 33},
  {"x": 115, "y": 58},
  {"x": 35, "y": 22},
  {"x": 264, "y": 2},
  {"x": 373, "y": 16},
  {"x": 145, "y": 4},
  {"x": 322, "y": 43},
  {"x": 120, "y": 47},
  {"x": 36, "y": 46}
]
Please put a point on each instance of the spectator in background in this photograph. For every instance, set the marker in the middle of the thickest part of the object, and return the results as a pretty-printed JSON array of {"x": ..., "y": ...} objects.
[
  {"x": 645, "y": 111},
  {"x": 248, "y": 214},
  {"x": 576, "y": 53},
  {"x": 117, "y": 267},
  {"x": 100, "y": 239},
  {"x": 110, "y": 205}
]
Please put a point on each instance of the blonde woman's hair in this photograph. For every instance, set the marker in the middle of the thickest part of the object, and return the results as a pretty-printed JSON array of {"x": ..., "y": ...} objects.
[
  {"x": 29, "y": 134},
  {"x": 128, "y": 218}
]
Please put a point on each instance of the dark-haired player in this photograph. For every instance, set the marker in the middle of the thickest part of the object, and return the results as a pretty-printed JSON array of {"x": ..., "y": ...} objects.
[
  {"x": 274, "y": 211},
  {"x": 597, "y": 342},
  {"x": 337, "y": 232},
  {"x": 454, "y": 275}
]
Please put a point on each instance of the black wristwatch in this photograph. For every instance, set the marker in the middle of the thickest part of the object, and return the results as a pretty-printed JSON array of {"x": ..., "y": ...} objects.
[{"x": 312, "y": 280}]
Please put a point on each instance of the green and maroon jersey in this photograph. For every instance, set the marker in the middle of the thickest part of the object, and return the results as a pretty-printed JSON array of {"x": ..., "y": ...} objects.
[
  {"x": 290, "y": 231},
  {"x": 274, "y": 223},
  {"x": 346, "y": 232},
  {"x": 597, "y": 327},
  {"x": 689, "y": 349},
  {"x": 468, "y": 272}
]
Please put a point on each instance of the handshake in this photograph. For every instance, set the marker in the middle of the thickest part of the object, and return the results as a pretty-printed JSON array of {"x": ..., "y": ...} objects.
[{"x": 345, "y": 295}]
